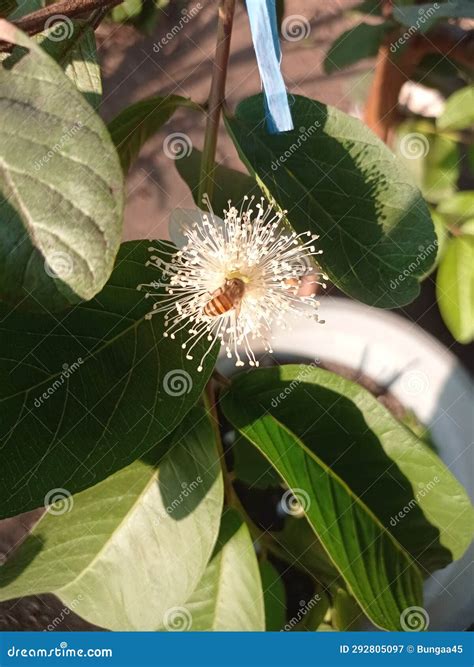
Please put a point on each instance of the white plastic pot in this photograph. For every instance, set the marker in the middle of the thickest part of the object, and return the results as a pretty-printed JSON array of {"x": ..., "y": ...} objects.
[{"x": 430, "y": 381}]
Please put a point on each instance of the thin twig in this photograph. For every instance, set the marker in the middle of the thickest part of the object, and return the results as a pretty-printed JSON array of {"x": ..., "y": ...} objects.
[
  {"x": 34, "y": 22},
  {"x": 216, "y": 96}
]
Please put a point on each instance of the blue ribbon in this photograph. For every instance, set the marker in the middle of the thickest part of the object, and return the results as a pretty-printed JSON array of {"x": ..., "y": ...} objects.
[{"x": 264, "y": 28}]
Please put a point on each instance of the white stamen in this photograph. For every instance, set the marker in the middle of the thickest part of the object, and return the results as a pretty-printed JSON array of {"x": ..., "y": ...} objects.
[{"x": 273, "y": 263}]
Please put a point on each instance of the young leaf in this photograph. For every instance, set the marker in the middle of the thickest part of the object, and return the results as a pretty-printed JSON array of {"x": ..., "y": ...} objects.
[
  {"x": 458, "y": 113},
  {"x": 337, "y": 179},
  {"x": 76, "y": 53},
  {"x": 228, "y": 183},
  {"x": 362, "y": 41},
  {"x": 353, "y": 537},
  {"x": 455, "y": 288},
  {"x": 432, "y": 159},
  {"x": 156, "y": 518},
  {"x": 88, "y": 392},
  {"x": 229, "y": 595},
  {"x": 127, "y": 10},
  {"x": 61, "y": 186},
  {"x": 459, "y": 208},
  {"x": 383, "y": 463},
  {"x": 138, "y": 122},
  {"x": 274, "y": 597},
  {"x": 347, "y": 614}
]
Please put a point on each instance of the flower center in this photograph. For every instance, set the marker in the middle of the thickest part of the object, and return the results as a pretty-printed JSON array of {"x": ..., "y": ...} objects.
[{"x": 239, "y": 275}]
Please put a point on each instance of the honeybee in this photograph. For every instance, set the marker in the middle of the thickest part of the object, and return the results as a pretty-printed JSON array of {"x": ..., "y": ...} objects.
[{"x": 225, "y": 298}]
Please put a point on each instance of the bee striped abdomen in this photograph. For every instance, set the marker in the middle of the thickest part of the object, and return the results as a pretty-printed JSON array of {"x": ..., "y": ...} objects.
[
  {"x": 225, "y": 298},
  {"x": 218, "y": 305}
]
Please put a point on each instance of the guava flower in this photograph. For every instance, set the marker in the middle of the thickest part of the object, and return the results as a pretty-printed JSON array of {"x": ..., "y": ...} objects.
[{"x": 234, "y": 280}]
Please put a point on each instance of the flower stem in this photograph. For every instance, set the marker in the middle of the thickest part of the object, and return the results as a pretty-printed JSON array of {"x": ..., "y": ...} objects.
[{"x": 216, "y": 97}]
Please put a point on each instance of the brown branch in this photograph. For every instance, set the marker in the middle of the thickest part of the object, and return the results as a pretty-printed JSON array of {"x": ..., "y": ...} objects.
[
  {"x": 216, "y": 96},
  {"x": 34, "y": 22}
]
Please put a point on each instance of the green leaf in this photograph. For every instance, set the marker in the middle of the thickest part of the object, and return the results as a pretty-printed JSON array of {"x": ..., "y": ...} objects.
[
  {"x": 467, "y": 227},
  {"x": 337, "y": 179},
  {"x": 457, "y": 209},
  {"x": 229, "y": 595},
  {"x": 313, "y": 613},
  {"x": 442, "y": 236},
  {"x": 77, "y": 55},
  {"x": 26, "y": 7},
  {"x": 424, "y": 16},
  {"x": 455, "y": 288},
  {"x": 354, "y": 538},
  {"x": 274, "y": 597},
  {"x": 298, "y": 544},
  {"x": 347, "y": 615},
  {"x": 62, "y": 186},
  {"x": 86, "y": 393},
  {"x": 137, "y": 123},
  {"x": 159, "y": 519},
  {"x": 251, "y": 467},
  {"x": 127, "y": 10},
  {"x": 362, "y": 41},
  {"x": 325, "y": 627},
  {"x": 7, "y": 7},
  {"x": 383, "y": 463},
  {"x": 228, "y": 183},
  {"x": 411, "y": 421},
  {"x": 458, "y": 113},
  {"x": 433, "y": 160}
]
